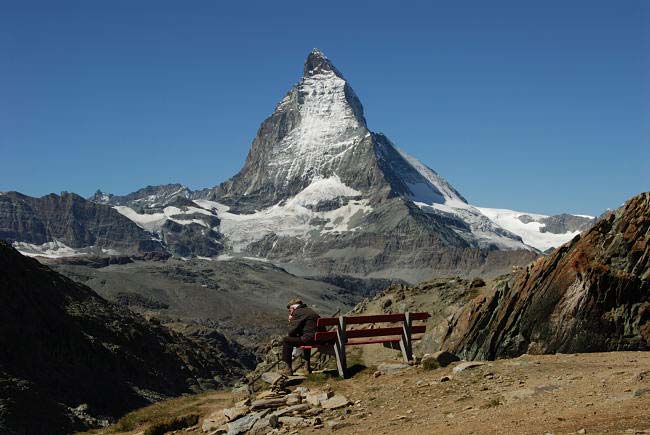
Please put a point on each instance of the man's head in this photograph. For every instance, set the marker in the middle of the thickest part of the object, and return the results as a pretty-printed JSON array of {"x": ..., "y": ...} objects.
[{"x": 294, "y": 301}]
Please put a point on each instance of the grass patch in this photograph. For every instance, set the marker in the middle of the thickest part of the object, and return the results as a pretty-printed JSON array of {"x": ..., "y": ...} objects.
[
  {"x": 172, "y": 423},
  {"x": 430, "y": 364},
  {"x": 166, "y": 412},
  {"x": 320, "y": 378}
]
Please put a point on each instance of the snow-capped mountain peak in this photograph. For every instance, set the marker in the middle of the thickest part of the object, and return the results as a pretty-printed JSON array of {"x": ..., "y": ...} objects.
[
  {"x": 318, "y": 63},
  {"x": 320, "y": 190}
]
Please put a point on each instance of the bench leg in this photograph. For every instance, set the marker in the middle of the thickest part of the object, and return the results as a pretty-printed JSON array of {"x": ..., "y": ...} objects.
[
  {"x": 306, "y": 354},
  {"x": 339, "y": 348},
  {"x": 341, "y": 362},
  {"x": 406, "y": 350},
  {"x": 405, "y": 342}
]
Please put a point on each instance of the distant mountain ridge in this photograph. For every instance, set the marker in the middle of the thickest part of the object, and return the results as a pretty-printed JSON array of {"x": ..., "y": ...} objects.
[
  {"x": 321, "y": 194},
  {"x": 67, "y": 224}
]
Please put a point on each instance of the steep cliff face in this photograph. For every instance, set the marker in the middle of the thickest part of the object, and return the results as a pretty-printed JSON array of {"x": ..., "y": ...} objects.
[
  {"x": 61, "y": 346},
  {"x": 69, "y": 224},
  {"x": 592, "y": 294}
]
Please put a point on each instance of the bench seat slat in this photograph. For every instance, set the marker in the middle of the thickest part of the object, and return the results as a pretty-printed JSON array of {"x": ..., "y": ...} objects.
[
  {"x": 378, "y": 340},
  {"x": 357, "y": 342},
  {"x": 327, "y": 321},
  {"x": 373, "y": 318},
  {"x": 388, "y": 318},
  {"x": 362, "y": 333},
  {"x": 372, "y": 341}
]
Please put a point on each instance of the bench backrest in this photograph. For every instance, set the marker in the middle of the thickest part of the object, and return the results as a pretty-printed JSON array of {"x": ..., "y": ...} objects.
[{"x": 326, "y": 336}]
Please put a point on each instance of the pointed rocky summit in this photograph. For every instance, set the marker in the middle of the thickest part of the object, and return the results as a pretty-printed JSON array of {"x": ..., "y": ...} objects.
[{"x": 318, "y": 63}]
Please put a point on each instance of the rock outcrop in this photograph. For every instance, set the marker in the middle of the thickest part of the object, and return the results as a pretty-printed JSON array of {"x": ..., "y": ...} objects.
[
  {"x": 62, "y": 346},
  {"x": 592, "y": 294}
]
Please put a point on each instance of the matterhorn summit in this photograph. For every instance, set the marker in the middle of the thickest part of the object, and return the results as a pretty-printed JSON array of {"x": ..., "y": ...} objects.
[
  {"x": 314, "y": 133},
  {"x": 318, "y": 130}
]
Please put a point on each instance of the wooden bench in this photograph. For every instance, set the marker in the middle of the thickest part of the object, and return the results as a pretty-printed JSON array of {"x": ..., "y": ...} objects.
[{"x": 396, "y": 337}]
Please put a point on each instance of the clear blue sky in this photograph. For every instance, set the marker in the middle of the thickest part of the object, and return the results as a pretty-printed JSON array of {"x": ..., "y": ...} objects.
[{"x": 534, "y": 106}]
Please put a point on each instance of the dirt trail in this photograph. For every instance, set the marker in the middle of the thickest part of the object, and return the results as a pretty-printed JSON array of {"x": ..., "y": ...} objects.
[
  {"x": 560, "y": 394},
  {"x": 597, "y": 393}
]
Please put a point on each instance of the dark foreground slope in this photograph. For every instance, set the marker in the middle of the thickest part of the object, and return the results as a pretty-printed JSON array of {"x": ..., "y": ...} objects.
[
  {"x": 62, "y": 345},
  {"x": 592, "y": 294}
]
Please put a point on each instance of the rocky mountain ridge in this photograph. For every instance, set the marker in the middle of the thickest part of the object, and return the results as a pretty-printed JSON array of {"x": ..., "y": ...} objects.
[
  {"x": 590, "y": 295},
  {"x": 67, "y": 224}
]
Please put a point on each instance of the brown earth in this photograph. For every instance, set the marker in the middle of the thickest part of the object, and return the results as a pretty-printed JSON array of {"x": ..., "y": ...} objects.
[{"x": 560, "y": 394}]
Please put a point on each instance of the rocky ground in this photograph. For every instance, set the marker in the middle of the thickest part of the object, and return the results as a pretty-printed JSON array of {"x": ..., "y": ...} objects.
[{"x": 559, "y": 394}]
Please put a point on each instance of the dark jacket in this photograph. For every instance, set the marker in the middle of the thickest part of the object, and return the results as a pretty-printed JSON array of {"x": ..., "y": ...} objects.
[{"x": 303, "y": 323}]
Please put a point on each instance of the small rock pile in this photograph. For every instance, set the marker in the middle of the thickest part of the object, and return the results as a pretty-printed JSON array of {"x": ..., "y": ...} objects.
[{"x": 281, "y": 410}]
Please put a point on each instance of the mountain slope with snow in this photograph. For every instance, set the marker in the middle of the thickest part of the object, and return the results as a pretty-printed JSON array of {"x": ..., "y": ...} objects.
[{"x": 539, "y": 231}]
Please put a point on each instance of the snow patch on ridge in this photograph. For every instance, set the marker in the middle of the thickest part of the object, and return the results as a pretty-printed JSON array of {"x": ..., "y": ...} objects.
[
  {"x": 323, "y": 189},
  {"x": 437, "y": 190},
  {"x": 153, "y": 222},
  {"x": 434, "y": 195},
  {"x": 53, "y": 249},
  {"x": 529, "y": 232},
  {"x": 292, "y": 218}
]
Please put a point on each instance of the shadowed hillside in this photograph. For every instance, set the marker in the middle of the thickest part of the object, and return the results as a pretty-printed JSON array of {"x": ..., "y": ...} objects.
[{"x": 62, "y": 345}]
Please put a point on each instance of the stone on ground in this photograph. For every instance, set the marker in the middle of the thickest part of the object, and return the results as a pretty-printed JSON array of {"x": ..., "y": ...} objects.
[
  {"x": 236, "y": 412},
  {"x": 291, "y": 409},
  {"x": 335, "y": 424},
  {"x": 245, "y": 402},
  {"x": 264, "y": 425},
  {"x": 467, "y": 365},
  {"x": 292, "y": 421},
  {"x": 243, "y": 424},
  {"x": 392, "y": 367},
  {"x": 338, "y": 401},
  {"x": 315, "y": 398},
  {"x": 213, "y": 421},
  {"x": 272, "y": 377},
  {"x": 268, "y": 394},
  {"x": 293, "y": 380},
  {"x": 268, "y": 403},
  {"x": 293, "y": 399}
]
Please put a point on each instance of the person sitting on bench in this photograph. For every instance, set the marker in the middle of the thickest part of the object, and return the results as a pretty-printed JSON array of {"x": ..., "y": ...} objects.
[{"x": 302, "y": 328}]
